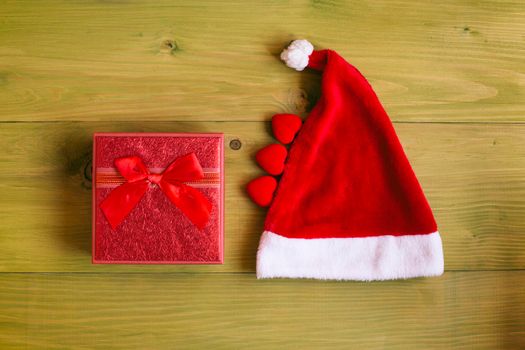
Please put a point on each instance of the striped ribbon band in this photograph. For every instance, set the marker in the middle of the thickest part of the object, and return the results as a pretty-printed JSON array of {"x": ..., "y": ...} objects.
[{"x": 110, "y": 178}]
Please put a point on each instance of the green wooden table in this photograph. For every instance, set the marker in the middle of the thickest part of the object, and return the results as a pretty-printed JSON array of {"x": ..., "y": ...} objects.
[{"x": 451, "y": 74}]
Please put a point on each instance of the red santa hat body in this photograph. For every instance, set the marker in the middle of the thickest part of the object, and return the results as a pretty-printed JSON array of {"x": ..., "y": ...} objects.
[{"x": 348, "y": 205}]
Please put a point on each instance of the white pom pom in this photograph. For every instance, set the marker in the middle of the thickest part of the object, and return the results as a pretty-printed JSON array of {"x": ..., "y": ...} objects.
[{"x": 296, "y": 55}]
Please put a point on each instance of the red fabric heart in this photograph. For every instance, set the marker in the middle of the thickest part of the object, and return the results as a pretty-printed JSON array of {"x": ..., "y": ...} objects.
[
  {"x": 285, "y": 126},
  {"x": 271, "y": 158},
  {"x": 261, "y": 190}
]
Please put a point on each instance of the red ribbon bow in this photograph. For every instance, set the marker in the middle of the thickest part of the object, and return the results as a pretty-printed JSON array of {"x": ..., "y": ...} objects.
[{"x": 121, "y": 201}]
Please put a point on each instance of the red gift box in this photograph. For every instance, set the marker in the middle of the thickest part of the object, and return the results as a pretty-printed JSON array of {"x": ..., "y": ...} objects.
[{"x": 158, "y": 198}]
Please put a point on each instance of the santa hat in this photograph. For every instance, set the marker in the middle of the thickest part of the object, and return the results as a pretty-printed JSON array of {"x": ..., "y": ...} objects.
[{"x": 348, "y": 205}]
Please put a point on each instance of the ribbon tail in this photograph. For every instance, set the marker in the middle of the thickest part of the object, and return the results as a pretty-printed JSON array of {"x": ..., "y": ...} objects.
[
  {"x": 121, "y": 201},
  {"x": 190, "y": 201}
]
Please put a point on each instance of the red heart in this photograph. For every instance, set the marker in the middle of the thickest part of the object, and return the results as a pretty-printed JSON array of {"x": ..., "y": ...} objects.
[
  {"x": 285, "y": 126},
  {"x": 261, "y": 190},
  {"x": 271, "y": 158}
]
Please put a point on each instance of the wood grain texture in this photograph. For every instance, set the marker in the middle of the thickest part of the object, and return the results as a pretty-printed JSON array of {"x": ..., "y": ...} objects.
[
  {"x": 209, "y": 60},
  {"x": 451, "y": 75},
  {"x": 461, "y": 310},
  {"x": 473, "y": 175}
]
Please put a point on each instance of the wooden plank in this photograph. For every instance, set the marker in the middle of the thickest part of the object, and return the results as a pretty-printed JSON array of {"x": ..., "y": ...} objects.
[
  {"x": 473, "y": 176},
  {"x": 165, "y": 60},
  {"x": 461, "y": 310}
]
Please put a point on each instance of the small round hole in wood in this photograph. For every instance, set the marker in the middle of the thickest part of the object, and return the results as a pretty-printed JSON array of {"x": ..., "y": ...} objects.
[{"x": 235, "y": 144}]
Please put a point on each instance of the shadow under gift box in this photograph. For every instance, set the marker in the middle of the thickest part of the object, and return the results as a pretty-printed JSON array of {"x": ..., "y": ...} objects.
[{"x": 156, "y": 231}]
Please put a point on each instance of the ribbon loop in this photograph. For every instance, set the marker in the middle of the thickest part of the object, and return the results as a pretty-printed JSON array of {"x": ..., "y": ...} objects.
[
  {"x": 131, "y": 168},
  {"x": 193, "y": 204},
  {"x": 184, "y": 169}
]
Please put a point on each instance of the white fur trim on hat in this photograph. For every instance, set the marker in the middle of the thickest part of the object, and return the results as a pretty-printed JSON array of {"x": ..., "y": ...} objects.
[
  {"x": 364, "y": 259},
  {"x": 296, "y": 55}
]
